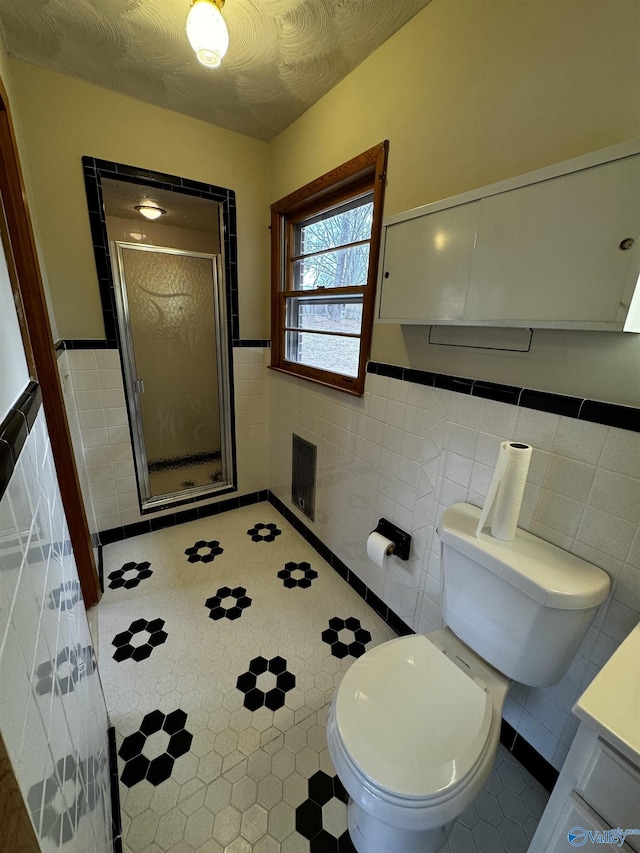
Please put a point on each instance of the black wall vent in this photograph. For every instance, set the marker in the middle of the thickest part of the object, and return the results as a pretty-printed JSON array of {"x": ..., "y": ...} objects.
[{"x": 303, "y": 477}]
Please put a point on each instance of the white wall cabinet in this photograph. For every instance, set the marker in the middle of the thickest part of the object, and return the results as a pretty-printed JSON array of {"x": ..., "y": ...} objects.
[{"x": 545, "y": 250}]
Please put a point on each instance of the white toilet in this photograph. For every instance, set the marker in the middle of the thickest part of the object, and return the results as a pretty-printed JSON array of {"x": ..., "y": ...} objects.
[{"x": 414, "y": 726}]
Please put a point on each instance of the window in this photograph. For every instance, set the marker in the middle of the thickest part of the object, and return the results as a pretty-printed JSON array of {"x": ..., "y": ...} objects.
[{"x": 325, "y": 241}]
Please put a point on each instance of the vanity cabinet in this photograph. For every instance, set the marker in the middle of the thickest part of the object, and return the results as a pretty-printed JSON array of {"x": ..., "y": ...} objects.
[
  {"x": 556, "y": 248},
  {"x": 598, "y": 790},
  {"x": 599, "y": 785}
]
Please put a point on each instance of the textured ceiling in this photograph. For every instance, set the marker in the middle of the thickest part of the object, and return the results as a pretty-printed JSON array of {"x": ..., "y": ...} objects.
[
  {"x": 283, "y": 54},
  {"x": 182, "y": 211}
]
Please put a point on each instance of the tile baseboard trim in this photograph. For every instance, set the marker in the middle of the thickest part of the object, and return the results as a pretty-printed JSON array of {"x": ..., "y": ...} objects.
[
  {"x": 14, "y": 430},
  {"x": 594, "y": 411},
  {"x": 116, "y": 816},
  {"x": 541, "y": 770},
  {"x": 384, "y": 612},
  {"x": 117, "y": 534},
  {"x": 100, "y": 566}
]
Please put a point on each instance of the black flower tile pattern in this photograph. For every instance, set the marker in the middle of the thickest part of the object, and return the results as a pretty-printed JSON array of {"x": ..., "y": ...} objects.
[
  {"x": 137, "y": 766},
  {"x": 129, "y": 575},
  {"x": 274, "y": 698},
  {"x": 64, "y": 597},
  {"x": 63, "y": 673},
  {"x": 125, "y": 650},
  {"x": 264, "y": 532},
  {"x": 218, "y": 610},
  {"x": 304, "y": 575},
  {"x": 309, "y": 816},
  {"x": 194, "y": 555},
  {"x": 340, "y": 648}
]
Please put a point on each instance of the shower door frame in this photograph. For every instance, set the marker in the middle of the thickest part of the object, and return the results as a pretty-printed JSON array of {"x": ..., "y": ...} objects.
[{"x": 134, "y": 388}]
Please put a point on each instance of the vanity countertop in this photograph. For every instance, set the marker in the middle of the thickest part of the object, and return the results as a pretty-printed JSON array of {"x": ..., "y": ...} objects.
[{"x": 611, "y": 703}]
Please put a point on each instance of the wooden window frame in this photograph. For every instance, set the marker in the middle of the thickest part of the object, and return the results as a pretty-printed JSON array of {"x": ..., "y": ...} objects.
[{"x": 363, "y": 174}]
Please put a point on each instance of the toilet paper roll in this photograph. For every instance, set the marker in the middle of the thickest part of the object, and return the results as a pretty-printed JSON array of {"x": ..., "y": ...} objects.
[
  {"x": 506, "y": 489},
  {"x": 379, "y": 547}
]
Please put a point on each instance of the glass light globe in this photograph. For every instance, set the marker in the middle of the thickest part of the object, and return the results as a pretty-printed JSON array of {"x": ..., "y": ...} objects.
[
  {"x": 207, "y": 33},
  {"x": 150, "y": 211}
]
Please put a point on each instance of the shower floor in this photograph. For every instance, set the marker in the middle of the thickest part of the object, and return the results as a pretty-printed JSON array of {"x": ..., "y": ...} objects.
[
  {"x": 171, "y": 480},
  {"x": 221, "y": 644}
]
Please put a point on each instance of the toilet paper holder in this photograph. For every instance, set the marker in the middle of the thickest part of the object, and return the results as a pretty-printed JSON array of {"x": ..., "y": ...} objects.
[{"x": 401, "y": 540}]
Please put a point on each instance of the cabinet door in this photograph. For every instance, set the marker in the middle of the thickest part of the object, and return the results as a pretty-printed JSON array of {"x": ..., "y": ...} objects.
[
  {"x": 579, "y": 820},
  {"x": 427, "y": 262},
  {"x": 550, "y": 251},
  {"x": 612, "y": 785}
]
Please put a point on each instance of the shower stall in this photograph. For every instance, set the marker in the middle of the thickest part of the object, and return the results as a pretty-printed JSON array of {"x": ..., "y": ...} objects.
[{"x": 173, "y": 336}]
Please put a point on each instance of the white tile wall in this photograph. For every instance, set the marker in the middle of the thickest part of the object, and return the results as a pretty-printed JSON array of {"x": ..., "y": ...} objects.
[
  {"x": 52, "y": 710},
  {"x": 405, "y": 451},
  {"x": 106, "y": 454},
  {"x": 73, "y": 417}
]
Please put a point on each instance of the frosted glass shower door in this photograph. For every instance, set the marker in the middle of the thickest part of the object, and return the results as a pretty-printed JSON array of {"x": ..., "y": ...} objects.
[{"x": 173, "y": 338}]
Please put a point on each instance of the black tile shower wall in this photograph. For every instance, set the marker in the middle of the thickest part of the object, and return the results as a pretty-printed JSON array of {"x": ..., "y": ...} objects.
[
  {"x": 14, "y": 430},
  {"x": 609, "y": 414}
]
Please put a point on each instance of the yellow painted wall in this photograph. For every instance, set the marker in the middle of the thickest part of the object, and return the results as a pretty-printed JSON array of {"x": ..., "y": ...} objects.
[
  {"x": 7, "y": 80},
  {"x": 62, "y": 119},
  {"x": 470, "y": 92}
]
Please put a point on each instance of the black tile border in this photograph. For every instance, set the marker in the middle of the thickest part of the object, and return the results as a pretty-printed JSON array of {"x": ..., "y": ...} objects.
[
  {"x": 100, "y": 566},
  {"x": 117, "y": 534},
  {"x": 100, "y": 343},
  {"x": 94, "y": 171},
  {"x": 593, "y": 411},
  {"x": 116, "y": 816},
  {"x": 543, "y": 772},
  {"x": 84, "y": 343},
  {"x": 14, "y": 430},
  {"x": 384, "y": 612}
]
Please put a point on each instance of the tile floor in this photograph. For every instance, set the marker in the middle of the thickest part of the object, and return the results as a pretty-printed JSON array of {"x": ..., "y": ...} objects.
[{"x": 221, "y": 644}]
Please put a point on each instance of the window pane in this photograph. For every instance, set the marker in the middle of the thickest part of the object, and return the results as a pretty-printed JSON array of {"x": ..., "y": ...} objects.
[
  {"x": 349, "y": 224},
  {"x": 327, "y": 352},
  {"x": 342, "y": 268},
  {"x": 325, "y": 315}
]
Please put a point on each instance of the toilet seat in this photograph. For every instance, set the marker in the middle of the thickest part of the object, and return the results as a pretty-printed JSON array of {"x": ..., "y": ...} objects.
[{"x": 412, "y": 722}]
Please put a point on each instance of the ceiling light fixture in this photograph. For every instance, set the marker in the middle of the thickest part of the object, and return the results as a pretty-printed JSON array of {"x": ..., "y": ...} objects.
[
  {"x": 207, "y": 31},
  {"x": 150, "y": 210}
]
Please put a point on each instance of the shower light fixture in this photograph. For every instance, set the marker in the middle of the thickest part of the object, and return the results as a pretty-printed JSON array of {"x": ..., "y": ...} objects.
[
  {"x": 207, "y": 31},
  {"x": 150, "y": 210}
]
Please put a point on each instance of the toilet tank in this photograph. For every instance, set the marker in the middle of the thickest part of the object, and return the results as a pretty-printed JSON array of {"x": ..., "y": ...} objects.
[{"x": 524, "y": 606}]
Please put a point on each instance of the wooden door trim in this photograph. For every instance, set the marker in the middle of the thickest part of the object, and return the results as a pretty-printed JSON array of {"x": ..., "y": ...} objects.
[{"x": 36, "y": 318}]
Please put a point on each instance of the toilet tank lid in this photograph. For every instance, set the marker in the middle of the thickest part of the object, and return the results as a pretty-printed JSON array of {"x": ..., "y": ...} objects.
[{"x": 547, "y": 574}]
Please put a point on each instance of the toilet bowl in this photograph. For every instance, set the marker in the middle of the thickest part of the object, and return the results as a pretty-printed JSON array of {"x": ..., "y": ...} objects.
[
  {"x": 414, "y": 726},
  {"x": 413, "y": 733}
]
